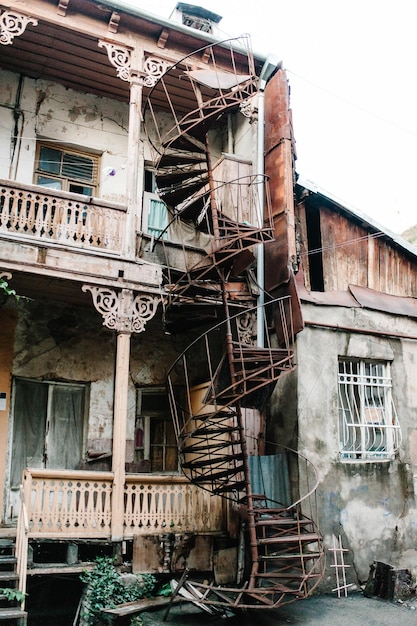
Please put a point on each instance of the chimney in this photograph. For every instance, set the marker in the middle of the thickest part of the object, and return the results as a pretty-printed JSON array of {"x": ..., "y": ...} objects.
[{"x": 196, "y": 17}]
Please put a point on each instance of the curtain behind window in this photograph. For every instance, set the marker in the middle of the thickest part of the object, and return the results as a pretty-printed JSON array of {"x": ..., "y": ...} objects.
[
  {"x": 64, "y": 447},
  {"x": 47, "y": 427},
  {"x": 31, "y": 401}
]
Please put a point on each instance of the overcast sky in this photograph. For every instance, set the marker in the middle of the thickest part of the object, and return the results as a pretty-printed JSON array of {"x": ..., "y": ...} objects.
[{"x": 352, "y": 71}]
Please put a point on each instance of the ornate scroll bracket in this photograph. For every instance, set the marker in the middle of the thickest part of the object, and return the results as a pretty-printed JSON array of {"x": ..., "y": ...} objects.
[
  {"x": 122, "y": 310},
  {"x": 153, "y": 70},
  {"x": 248, "y": 110},
  {"x": 246, "y": 328},
  {"x": 5, "y": 275},
  {"x": 12, "y": 25},
  {"x": 121, "y": 59}
]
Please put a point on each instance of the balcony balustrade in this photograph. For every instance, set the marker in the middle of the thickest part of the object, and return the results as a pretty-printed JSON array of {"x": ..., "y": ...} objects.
[
  {"x": 78, "y": 504},
  {"x": 44, "y": 215}
]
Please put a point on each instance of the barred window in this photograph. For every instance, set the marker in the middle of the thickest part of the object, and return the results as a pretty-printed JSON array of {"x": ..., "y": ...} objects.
[{"x": 368, "y": 422}]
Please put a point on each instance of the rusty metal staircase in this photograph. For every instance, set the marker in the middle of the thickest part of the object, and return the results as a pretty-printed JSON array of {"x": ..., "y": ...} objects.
[
  {"x": 284, "y": 546},
  {"x": 234, "y": 365}
]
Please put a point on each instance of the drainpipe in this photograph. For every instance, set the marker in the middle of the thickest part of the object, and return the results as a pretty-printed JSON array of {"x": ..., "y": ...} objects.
[{"x": 269, "y": 67}]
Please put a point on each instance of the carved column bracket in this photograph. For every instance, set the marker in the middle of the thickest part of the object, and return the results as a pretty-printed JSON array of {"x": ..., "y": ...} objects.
[
  {"x": 123, "y": 310},
  {"x": 12, "y": 25},
  {"x": 5, "y": 275},
  {"x": 153, "y": 69},
  {"x": 119, "y": 57}
]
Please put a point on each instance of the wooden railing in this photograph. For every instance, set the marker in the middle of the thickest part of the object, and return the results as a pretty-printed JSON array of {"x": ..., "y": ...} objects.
[
  {"x": 55, "y": 216},
  {"x": 22, "y": 546},
  {"x": 161, "y": 504},
  {"x": 71, "y": 504},
  {"x": 78, "y": 504}
]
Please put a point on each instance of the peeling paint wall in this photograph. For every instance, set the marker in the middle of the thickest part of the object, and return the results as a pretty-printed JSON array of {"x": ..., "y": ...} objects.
[
  {"x": 372, "y": 505},
  {"x": 51, "y": 112},
  {"x": 58, "y": 342},
  {"x": 8, "y": 317}
]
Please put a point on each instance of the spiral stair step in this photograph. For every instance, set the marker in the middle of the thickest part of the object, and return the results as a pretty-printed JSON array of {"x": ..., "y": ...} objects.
[
  {"x": 297, "y": 538},
  {"x": 213, "y": 461},
  {"x": 203, "y": 444}
]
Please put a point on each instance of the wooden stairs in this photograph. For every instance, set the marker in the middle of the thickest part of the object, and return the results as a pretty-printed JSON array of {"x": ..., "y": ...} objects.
[{"x": 11, "y": 610}]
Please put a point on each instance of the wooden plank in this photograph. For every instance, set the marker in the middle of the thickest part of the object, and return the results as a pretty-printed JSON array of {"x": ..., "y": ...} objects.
[{"x": 145, "y": 604}]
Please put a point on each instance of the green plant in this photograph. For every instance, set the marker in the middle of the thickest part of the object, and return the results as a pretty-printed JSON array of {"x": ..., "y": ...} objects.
[
  {"x": 106, "y": 588},
  {"x": 165, "y": 590},
  {"x": 12, "y": 594},
  {"x": 4, "y": 287}
]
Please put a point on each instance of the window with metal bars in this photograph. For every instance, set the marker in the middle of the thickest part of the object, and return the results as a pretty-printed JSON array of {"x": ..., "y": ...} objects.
[
  {"x": 368, "y": 424},
  {"x": 58, "y": 168}
]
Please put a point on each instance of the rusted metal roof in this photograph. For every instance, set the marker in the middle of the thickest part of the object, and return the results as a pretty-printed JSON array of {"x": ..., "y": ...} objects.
[
  {"x": 358, "y": 297},
  {"x": 397, "y": 305},
  {"x": 324, "y": 298}
]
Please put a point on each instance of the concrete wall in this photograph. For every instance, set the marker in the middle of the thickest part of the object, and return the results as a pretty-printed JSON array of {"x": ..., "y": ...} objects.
[{"x": 371, "y": 505}]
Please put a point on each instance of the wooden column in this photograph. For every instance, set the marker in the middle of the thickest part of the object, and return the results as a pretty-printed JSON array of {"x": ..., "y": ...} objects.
[
  {"x": 126, "y": 313},
  {"x": 121, "y": 386},
  {"x": 8, "y": 320},
  {"x": 134, "y": 170}
]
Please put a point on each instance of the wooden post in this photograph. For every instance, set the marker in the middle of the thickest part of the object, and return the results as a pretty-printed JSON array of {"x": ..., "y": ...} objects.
[
  {"x": 121, "y": 384},
  {"x": 134, "y": 201},
  {"x": 125, "y": 313}
]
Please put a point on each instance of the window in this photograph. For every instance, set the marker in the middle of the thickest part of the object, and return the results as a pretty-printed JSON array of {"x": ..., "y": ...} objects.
[
  {"x": 315, "y": 250},
  {"x": 155, "y": 212},
  {"x": 48, "y": 426},
  {"x": 155, "y": 442},
  {"x": 68, "y": 170},
  {"x": 368, "y": 422}
]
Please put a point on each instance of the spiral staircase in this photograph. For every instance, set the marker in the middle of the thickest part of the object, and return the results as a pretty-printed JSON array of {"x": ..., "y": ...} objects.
[{"x": 234, "y": 364}]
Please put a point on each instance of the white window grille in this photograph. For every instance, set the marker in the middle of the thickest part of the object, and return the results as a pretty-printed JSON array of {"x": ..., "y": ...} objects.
[{"x": 368, "y": 422}]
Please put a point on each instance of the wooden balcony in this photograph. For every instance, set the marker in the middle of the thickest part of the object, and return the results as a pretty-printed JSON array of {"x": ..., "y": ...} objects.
[
  {"x": 43, "y": 215},
  {"x": 64, "y": 504}
]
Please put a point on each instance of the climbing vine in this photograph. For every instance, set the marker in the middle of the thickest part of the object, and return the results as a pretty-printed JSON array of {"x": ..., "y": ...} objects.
[
  {"x": 106, "y": 588},
  {"x": 4, "y": 287}
]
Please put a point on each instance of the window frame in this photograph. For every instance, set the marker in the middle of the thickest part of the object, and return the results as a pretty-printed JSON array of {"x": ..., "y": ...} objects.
[
  {"x": 369, "y": 429},
  {"x": 143, "y": 444},
  {"x": 151, "y": 199},
  {"x": 67, "y": 181},
  {"x": 49, "y": 419}
]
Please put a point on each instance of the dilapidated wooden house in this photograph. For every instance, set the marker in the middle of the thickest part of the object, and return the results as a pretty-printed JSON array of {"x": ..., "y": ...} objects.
[
  {"x": 192, "y": 326},
  {"x": 140, "y": 351},
  {"x": 350, "y": 403}
]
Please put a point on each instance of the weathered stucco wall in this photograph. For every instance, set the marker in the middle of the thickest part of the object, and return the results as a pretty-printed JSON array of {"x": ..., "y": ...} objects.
[
  {"x": 49, "y": 111},
  {"x": 59, "y": 342},
  {"x": 371, "y": 505}
]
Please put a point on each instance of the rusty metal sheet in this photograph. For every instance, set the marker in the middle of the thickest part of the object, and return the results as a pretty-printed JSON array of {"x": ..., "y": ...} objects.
[
  {"x": 325, "y": 298},
  {"x": 276, "y": 256},
  {"x": 379, "y": 301}
]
